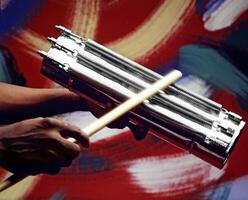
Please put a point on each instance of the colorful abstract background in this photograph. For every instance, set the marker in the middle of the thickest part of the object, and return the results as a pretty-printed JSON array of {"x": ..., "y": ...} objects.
[{"x": 206, "y": 39}]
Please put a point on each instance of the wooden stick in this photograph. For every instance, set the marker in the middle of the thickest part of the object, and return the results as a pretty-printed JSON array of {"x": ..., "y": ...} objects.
[{"x": 110, "y": 116}]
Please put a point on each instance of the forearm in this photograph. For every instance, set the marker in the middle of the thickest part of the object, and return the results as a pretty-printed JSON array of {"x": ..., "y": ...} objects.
[{"x": 17, "y": 103}]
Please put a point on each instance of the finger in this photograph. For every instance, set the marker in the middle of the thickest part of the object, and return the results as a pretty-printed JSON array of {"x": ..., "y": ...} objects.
[
  {"x": 68, "y": 130},
  {"x": 61, "y": 146},
  {"x": 81, "y": 137},
  {"x": 62, "y": 159},
  {"x": 139, "y": 130},
  {"x": 69, "y": 149},
  {"x": 52, "y": 122},
  {"x": 53, "y": 148}
]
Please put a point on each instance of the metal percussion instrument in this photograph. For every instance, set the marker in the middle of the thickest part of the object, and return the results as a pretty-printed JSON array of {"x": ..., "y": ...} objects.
[{"x": 192, "y": 122}]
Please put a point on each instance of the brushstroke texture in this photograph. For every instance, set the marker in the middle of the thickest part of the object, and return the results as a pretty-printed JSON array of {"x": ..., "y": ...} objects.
[
  {"x": 4, "y": 72},
  {"x": 230, "y": 190},
  {"x": 116, "y": 166},
  {"x": 222, "y": 14},
  {"x": 154, "y": 31},
  {"x": 85, "y": 18},
  {"x": 172, "y": 175},
  {"x": 209, "y": 65},
  {"x": 16, "y": 14}
]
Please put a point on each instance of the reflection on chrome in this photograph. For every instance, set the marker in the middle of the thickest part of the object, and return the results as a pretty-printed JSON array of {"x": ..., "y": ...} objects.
[{"x": 176, "y": 115}]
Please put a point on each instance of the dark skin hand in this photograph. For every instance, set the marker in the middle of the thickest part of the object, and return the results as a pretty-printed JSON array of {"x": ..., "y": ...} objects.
[
  {"x": 39, "y": 145},
  {"x": 19, "y": 103},
  {"x": 33, "y": 145}
]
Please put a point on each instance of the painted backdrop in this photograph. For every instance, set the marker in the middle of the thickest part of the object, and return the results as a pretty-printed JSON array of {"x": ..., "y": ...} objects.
[{"x": 206, "y": 39}]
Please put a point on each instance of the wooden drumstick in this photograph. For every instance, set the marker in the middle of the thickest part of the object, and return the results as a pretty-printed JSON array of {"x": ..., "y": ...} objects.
[{"x": 110, "y": 116}]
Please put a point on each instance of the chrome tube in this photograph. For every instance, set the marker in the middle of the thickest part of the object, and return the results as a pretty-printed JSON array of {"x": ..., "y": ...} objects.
[{"x": 176, "y": 115}]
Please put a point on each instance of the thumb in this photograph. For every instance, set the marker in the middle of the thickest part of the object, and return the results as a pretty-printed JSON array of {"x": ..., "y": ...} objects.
[
  {"x": 80, "y": 137},
  {"x": 68, "y": 130}
]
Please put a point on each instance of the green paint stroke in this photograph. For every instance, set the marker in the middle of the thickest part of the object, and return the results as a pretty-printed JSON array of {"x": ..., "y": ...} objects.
[
  {"x": 208, "y": 64},
  {"x": 4, "y": 72}
]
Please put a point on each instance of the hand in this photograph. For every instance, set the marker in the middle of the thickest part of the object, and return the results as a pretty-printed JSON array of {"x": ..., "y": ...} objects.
[
  {"x": 39, "y": 146},
  {"x": 139, "y": 130}
]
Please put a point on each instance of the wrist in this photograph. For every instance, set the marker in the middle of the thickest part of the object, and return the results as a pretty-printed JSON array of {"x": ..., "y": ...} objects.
[{"x": 65, "y": 100}]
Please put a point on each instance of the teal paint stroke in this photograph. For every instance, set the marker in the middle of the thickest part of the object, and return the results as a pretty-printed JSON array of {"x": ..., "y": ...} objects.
[
  {"x": 207, "y": 64},
  {"x": 4, "y": 72}
]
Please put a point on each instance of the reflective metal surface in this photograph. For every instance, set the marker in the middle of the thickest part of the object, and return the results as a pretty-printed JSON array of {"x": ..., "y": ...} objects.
[{"x": 176, "y": 115}]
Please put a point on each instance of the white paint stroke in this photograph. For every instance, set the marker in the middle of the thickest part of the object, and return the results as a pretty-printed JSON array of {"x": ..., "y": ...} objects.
[
  {"x": 196, "y": 85},
  {"x": 225, "y": 15},
  {"x": 172, "y": 175}
]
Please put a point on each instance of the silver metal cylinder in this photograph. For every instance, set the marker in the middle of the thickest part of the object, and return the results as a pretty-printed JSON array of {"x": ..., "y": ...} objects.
[{"x": 176, "y": 115}]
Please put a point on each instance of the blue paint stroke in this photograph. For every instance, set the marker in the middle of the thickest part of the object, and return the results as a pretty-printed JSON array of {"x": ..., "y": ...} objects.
[
  {"x": 212, "y": 6},
  {"x": 207, "y": 64},
  {"x": 235, "y": 189},
  {"x": 59, "y": 195},
  {"x": 221, "y": 192},
  {"x": 89, "y": 162},
  {"x": 92, "y": 164},
  {"x": 16, "y": 14},
  {"x": 207, "y": 7}
]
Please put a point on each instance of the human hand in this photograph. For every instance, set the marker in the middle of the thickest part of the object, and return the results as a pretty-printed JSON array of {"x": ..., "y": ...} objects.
[{"x": 39, "y": 146}]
